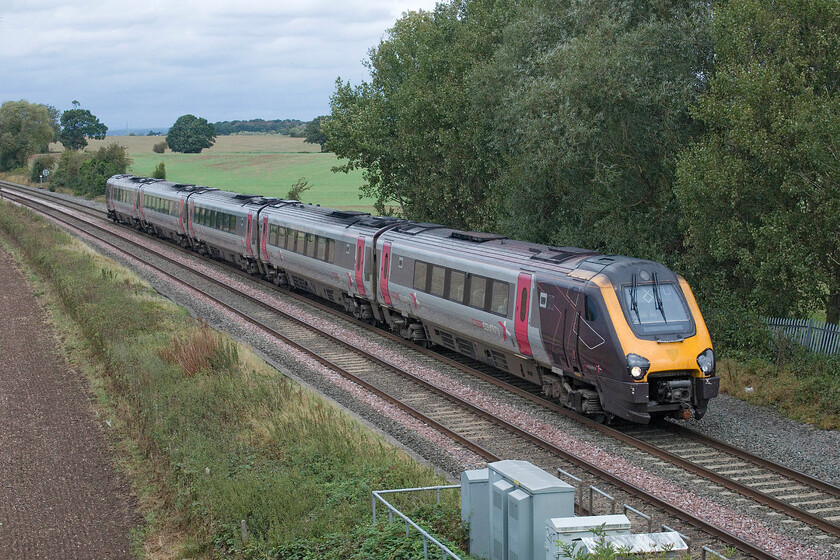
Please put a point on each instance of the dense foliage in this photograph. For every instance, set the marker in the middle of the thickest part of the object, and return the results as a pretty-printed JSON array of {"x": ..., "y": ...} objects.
[
  {"x": 257, "y": 126},
  {"x": 703, "y": 135},
  {"x": 760, "y": 191},
  {"x": 86, "y": 173},
  {"x": 39, "y": 165},
  {"x": 77, "y": 125},
  {"x": 190, "y": 135},
  {"x": 313, "y": 133},
  {"x": 25, "y": 129},
  {"x": 421, "y": 129}
]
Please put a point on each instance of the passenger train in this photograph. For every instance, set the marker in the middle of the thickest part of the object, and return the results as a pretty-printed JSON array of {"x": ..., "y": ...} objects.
[{"x": 608, "y": 336}]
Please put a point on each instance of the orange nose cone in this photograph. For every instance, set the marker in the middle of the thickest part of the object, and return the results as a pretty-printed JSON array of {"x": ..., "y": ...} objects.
[{"x": 686, "y": 414}]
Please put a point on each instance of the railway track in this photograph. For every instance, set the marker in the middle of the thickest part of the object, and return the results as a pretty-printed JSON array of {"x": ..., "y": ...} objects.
[{"x": 483, "y": 433}]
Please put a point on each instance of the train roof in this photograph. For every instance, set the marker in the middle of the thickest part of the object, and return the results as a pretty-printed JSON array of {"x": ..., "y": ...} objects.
[{"x": 495, "y": 249}]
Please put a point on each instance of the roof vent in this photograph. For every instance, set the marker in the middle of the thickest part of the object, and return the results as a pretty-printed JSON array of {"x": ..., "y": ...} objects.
[{"x": 475, "y": 236}]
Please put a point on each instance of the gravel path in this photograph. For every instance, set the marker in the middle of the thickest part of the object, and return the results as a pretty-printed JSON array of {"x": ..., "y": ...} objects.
[{"x": 60, "y": 495}]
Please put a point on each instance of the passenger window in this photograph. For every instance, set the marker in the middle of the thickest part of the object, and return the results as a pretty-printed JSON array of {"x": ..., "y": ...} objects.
[
  {"x": 322, "y": 249},
  {"x": 300, "y": 243},
  {"x": 311, "y": 245},
  {"x": 232, "y": 223},
  {"x": 456, "y": 286},
  {"x": 330, "y": 257},
  {"x": 478, "y": 291},
  {"x": 420, "y": 269},
  {"x": 499, "y": 302},
  {"x": 590, "y": 309},
  {"x": 438, "y": 280}
]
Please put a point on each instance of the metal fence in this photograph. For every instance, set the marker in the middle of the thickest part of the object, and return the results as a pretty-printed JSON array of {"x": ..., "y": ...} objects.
[
  {"x": 377, "y": 496},
  {"x": 817, "y": 336}
]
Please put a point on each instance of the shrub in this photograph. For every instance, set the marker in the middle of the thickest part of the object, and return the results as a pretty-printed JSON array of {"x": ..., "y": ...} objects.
[
  {"x": 160, "y": 147},
  {"x": 38, "y": 166},
  {"x": 160, "y": 171},
  {"x": 85, "y": 174},
  {"x": 300, "y": 186}
]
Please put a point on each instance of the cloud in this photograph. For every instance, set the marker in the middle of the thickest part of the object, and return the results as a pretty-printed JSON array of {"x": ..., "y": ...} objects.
[{"x": 148, "y": 62}]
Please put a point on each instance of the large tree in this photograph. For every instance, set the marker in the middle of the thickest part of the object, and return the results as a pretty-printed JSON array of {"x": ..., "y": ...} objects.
[
  {"x": 313, "y": 132},
  {"x": 417, "y": 128},
  {"x": 760, "y": 191},
  {"x": 592, "y": 109},
  {"x": 25, "y": 129},
  {"x": 190, "y": 135},
  {"x": 77, "y": 125}
]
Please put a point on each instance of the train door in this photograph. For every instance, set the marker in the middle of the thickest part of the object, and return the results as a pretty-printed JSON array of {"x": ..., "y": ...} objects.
[
  {"x": 385, "y": 272},
  {"x": 520, "y": 319},
  {"x": 264, "y": 239},
  {"x": 360, "y": 265},
  {"x": 182, "y": 229},
  {"x": 553, "y": 309},
  {"x": 190, "y": 213},
  {"x": 138, "y": 205},
  {"x": 251, "y": 232}
]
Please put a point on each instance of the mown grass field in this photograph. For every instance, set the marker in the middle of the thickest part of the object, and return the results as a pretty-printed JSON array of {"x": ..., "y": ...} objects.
[{"x": 266, "y": 164}]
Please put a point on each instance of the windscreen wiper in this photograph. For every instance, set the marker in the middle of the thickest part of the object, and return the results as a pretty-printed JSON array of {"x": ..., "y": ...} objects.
[
  {"x": 633, "y": 305},
  {"x": 657, "y": 297}
]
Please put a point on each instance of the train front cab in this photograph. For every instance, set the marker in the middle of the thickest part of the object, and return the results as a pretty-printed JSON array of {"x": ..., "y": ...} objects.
[{"x": 669, "y": 367}]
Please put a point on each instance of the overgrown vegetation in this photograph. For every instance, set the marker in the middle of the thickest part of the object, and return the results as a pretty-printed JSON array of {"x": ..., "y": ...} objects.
[
  {"x": 39, "y": 164},
  {"x": 213, "y": 436},
  {"x": 298, "y": 188},
  {"x": 85, "y": 173}
]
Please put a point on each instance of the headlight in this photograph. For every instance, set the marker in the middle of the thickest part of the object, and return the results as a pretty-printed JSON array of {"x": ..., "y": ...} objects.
[
  {"x": 637, "y": 366},
  {"x": 706, "y": 361}
]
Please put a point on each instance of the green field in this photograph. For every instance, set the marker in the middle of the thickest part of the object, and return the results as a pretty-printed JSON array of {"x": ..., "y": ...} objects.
[{"x": 266, "y": 164}]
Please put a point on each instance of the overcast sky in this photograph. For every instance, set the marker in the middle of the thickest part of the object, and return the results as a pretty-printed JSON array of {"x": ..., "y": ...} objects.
[{"x": 145, "y": 63}]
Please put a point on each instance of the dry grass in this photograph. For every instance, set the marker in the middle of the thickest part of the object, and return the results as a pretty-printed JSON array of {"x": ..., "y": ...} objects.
[{"x": 810, "y": 397}]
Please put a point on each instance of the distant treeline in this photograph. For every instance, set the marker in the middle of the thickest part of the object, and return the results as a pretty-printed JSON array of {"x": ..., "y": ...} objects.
[{"x": 292, "y": 127}]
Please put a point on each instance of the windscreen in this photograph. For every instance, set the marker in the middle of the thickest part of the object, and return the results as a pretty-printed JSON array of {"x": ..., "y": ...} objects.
[{"x": 657, "y": 308}]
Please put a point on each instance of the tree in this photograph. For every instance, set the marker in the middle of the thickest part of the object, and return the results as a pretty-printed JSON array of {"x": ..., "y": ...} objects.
[
  {"x": 313, "y": 133},
  {"x": 77, "y": 125},
  {"x": 25, "y": 128},
  {"x": 190, "y": 135},
  {"x": 760, "y": 191},
  {"x": 160, "y": 171},
  {"x": 418, "y": 128},
  {"x": 593, "y": 105}
]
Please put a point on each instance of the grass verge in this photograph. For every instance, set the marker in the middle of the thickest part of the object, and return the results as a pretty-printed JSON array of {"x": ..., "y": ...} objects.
[{"x": 207, "y": 433}]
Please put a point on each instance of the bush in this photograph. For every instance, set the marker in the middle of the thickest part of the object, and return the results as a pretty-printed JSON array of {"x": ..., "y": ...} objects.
[
  {"x": 160, "y": 171},
  {"x": 300, "y": 186},
  {"x": 38, "y": 166},
  {"x": 85, "y": 174},
  {"x": 160, "y": 147}
]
